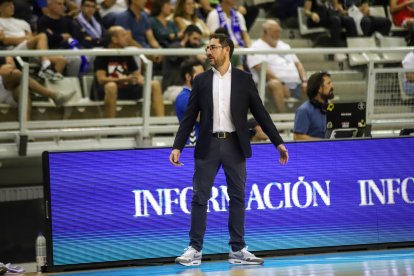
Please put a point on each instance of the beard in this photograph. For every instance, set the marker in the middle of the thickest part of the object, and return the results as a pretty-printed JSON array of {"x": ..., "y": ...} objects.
[{"x": 330, "y": 96}]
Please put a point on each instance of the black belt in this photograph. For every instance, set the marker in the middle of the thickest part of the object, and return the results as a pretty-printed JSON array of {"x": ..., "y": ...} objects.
[{"x": 223, "y": 135}]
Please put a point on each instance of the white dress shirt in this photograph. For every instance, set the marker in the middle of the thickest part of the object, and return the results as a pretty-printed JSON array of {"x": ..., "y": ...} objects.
[{"x": 222, "y": 120}]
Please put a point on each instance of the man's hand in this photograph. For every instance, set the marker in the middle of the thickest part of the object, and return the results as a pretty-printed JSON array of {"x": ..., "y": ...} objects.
[
  {"x": 175, "y": 157},
  {"x": 284, "y": 155}
]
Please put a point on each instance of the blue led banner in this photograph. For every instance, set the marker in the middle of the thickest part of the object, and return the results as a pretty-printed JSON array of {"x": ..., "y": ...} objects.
[{"x": 125, "y": 205}]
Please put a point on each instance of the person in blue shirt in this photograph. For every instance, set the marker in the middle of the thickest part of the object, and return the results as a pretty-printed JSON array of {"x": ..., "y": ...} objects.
[
  {"x": 189, "y": 69},
  {"x": 136, "y": 20},
  {"x": 310, "y": 117}
]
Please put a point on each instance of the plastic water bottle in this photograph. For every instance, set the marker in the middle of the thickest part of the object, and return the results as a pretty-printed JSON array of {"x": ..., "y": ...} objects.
[{"x": 40, "y": 252}]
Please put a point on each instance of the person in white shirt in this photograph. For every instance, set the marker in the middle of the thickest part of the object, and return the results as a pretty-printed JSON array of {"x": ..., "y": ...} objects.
[
  {"x": 408, "y": 64},
  {"x": 285, "y": 74},
  {"x": 226, "y": 16},
  {"x": 18, "y": 35}
]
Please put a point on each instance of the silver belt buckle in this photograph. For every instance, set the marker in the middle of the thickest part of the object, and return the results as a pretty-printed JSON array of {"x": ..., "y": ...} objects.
[{"x": 222, "y": 135}]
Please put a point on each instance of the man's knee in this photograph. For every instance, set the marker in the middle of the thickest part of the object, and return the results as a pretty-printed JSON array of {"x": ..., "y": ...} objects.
[{"x": 111, "y": 90}]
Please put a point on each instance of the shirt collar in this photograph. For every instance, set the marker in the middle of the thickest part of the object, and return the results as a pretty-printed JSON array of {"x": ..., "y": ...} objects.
[{"x": 218, "y": 73}]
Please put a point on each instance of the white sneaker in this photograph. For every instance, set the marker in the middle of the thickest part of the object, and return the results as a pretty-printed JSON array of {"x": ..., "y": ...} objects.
[
  {"x": 340, "y": 57},
  {"x": 190, "y": 257},
  {"x": 244, "y": 257},
  {"x": 49, "y": 74},
  {"x": 62, "y": 98}
]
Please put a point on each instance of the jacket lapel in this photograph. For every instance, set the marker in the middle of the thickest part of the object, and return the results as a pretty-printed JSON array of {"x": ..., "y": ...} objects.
[{"x": 209, "y": 86}]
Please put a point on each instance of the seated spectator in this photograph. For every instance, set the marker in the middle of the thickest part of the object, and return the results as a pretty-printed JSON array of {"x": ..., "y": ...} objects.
[
  {"x": 402, "y": 13},
  {"x": 108, "y": 9},
  {"x": 118, "y": 77},
  {"x": 18, "y": 35},
  {"x": 71, "y": 8},
  {"x": 165, "y": 30},
  {"x": 171, "y": 81},
  {"x": 256, "y": 132},
  {"x": 310, "y": 117},
  {"x": 10, "y": 80},
  {"x": 185, "y": 14},
  {"x": 366, "y": 24},
  {"x": 285, "y": 76},
  {"x": 189, "y": 70},
  {"x": 23, "y": 9},
  {"x": 136, "y": 20},
  {"x": 408, "y": 64},
  {"x": 59, "y": 30},
  {"x": 86, "y": 28},
  {"x": 226, "y": 16},
  {"x": 328, "y": 14}
]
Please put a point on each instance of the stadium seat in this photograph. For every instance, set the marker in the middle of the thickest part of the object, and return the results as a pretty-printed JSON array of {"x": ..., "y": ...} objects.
[
  {"x": 377, "y": 11},
  {"x": 392, "y": 41},
  {"x": 394, "y": 28},
  {"x": 362, "y": 58},
  {"x": 303, "y": 27}
]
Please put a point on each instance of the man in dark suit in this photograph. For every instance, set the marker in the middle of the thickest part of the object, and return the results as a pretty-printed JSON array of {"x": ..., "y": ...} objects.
[{"x": 223, "y": 97}]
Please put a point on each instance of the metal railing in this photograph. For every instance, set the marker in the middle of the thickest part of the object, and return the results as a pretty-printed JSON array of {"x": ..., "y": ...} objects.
[{"x": 143, "y": 127}]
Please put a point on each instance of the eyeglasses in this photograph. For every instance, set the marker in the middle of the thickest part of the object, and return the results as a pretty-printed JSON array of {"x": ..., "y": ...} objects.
[{"x": 212, "y": 47}]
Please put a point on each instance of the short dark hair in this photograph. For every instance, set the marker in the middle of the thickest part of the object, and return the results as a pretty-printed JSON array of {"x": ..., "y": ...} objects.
[
  {"x": 190, "y": 29},
  {"x": 157, "y": 6},
  {"x": 315, "y": 82},
  {"x": 224, "y": 41},
  {"x": 5, "y": 1},
  {"x": 187, "y": 67},
  {"x": 84, "y": 1}
]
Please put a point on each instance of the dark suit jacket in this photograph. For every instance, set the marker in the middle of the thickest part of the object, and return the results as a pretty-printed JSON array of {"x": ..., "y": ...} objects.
[{"x": 244, "y": 96}]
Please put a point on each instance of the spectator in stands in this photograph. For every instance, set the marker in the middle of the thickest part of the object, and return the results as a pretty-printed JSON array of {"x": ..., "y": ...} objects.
[
  {"x": 108, "y": 9},
  {"x": 118, "y": 77},
  {"x": 10, "y": 80},
  {"x": 310, "y": 117},
  {"x": 165, "y": 31},
  {"x": 18, "y": 35},
  {"x": 171, "y": 81},
  {"x": 328, "y": 14},
  {"x": 408, "y": 64},
  {"x": 87, "y": 29},
  {"x": 59, "y": 30},
  {"x": 185, "y": 14},
  {"x": 285, "y": 76},
  {"x": 402, "y": 13},
  {"x": 136, "y": 20},
  {"x": 256, "y": 132},
  {"x": 189, "y": 70},
  {"x": 226, "y": 16},
  {"x": 71, "y": 9},
  {"x": 366, "y": 24},
  {"x": 23, "y": 9}
]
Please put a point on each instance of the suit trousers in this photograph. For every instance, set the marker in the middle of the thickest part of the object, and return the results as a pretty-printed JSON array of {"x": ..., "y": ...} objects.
[{"x": 226, "y": 153}]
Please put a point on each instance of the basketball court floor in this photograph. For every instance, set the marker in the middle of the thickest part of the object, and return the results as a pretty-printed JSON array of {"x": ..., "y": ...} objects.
[{"x": 367, "y": 263}]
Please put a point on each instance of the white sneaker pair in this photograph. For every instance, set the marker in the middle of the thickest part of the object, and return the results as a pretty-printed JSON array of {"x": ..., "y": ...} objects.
[{"x": 192, "y": 257}]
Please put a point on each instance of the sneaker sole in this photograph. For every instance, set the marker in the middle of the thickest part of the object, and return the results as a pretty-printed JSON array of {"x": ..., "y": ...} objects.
[
  {"x": 193, "y": 263},
  {"x": 242, "y": 262}
]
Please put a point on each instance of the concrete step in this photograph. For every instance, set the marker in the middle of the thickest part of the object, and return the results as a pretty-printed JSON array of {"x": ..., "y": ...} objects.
[
  {"x": 298, "y": 42},
  {"x": 350, "y": 91},
  {"x": 325, "y": 65},
  {"x": 345, "y": 75}
]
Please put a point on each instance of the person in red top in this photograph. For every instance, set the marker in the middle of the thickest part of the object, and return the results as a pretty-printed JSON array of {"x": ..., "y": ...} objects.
[{"x": 402, "y": 13}]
